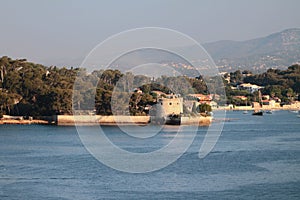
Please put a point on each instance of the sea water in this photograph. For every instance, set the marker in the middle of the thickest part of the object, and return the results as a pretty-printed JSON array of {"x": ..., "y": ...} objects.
[{"x": 256, "y": 157}]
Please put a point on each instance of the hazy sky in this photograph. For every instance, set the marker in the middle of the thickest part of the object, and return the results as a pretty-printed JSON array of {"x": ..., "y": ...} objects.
[{"x": 62, "y": 32}]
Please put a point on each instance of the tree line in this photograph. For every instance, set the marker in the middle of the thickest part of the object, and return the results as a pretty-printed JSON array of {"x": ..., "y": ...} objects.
[{"x": 29, "y": 89}]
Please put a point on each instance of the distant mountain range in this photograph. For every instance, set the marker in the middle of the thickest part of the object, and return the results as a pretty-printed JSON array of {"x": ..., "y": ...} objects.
[{"x": 278, "y": 50}]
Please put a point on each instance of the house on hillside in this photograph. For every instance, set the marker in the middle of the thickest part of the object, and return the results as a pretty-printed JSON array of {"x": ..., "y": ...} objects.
[
  {"x": 204, "y": 99},
  {"x": 249, "y": 87},
  {"x": 201, "y": 98},
  {"x": 198, "y": 99}
]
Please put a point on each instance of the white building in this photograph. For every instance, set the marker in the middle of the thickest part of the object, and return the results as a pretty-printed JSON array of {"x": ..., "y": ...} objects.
[{"x": 249, "y": 87}]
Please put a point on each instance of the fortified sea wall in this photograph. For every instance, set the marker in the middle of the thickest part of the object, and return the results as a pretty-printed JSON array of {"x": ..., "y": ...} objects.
[
  {"x": 63, "y": 120},
  {"x": 111, "y": 120},
  {"x": 98, "y": 119}
]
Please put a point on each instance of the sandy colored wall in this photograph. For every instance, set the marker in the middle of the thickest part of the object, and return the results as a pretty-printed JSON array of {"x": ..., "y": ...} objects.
[
  {"x": 96, "y": 119},
  {"x": 110, "y": 120},
  {"x": 169, "y": 106},
  {"x": 202, "y": 121}
]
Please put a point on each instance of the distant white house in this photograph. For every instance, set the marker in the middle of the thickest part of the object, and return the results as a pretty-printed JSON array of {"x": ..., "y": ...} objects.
[{"x": 249, "y": 87}]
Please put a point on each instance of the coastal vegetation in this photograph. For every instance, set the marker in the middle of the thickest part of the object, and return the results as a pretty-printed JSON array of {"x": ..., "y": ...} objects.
[
  {"x": 29, "y": 89},
  {"x": 282, "y": 84}
]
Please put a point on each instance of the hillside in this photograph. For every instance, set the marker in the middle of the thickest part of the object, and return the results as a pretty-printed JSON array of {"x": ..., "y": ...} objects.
[
  {"x": 273, "y": 51},
  {"x": 277, "y": 50}
]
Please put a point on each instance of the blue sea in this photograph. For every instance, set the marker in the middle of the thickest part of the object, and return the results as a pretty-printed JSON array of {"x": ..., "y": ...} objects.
[{"x": 256, "y": 157}]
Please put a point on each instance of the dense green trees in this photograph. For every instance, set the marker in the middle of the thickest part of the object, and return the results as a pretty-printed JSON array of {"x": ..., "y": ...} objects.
[
  {"x": 236, "y": 77},
  {"x": 33, "y": 89},
  {"x": 284, "y": 84},
  {"x": 283, "y": 79},
  {"x": 30, "y": 89}
]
